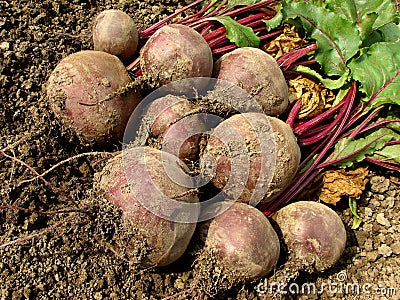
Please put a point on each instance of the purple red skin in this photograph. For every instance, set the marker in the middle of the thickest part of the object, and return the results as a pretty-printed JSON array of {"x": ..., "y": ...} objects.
[
  {"x": 313, "y": 233},
  {"x": 172, "y": 123},
  {"x": 176, "y": 52},
  {"x": 258, "y": 73},
  {"x": 239, "y": 131},
  {"x": 244, "y": 241},
  {"x": 115, "y": 32},
  {"x": 76, "y": 90},
  {"x": 285, "y": 165},
  {"x": 168, "y": 239}
]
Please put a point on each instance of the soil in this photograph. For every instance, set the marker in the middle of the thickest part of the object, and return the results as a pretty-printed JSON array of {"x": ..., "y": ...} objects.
[{"x": 57, "y": 255}]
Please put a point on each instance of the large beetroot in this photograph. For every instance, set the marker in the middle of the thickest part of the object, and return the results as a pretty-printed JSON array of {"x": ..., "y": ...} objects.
[
  {"x": 155, "y": 221},
  {"x": 77, "y": 91},
  {"x": 251, "y": 157}
]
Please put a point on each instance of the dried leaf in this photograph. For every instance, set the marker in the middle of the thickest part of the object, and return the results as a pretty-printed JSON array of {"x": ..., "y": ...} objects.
[
  {"x": 315, "y": 97},
  {"x": 288, "y": 41},
  {"x": 338, "y": 183}
]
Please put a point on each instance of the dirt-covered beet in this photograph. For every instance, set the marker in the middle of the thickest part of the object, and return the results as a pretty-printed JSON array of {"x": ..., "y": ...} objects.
[
  {"x": 240, "y": 246},
  {"x": 258, "y": 73},
  {"x": 313, "y": 233},
  {"x": 78, "y": 90},
  {"x": 136, "y": 181},
  {"x": 176, "y": 52},
  {"x": 115, "y": 32},
  {"x": 175, "y": 126},
  {"x": 254, "y": 157}
]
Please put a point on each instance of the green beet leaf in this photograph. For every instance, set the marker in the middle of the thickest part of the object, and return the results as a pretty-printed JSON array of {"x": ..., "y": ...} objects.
[
  {"x": 331, "y": 84},
  {"x": 368, "y": 15},
  {"x": 378, "y": 71},
  {"x": 390, "y": 154},
  {"x": 338, "y": 39},
  {"x": 390, "y": 32},
  {"x": 349, "y": 150},
  {"x": 353, "y": 208},
  {"x": 357, "y": 10},
  {"x": 275, "y": 21},
  {"x": 240, "y": 35}
]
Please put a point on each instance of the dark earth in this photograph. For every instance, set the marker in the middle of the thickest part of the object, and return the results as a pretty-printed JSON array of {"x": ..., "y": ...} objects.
[{"x": 56, "y": 255}]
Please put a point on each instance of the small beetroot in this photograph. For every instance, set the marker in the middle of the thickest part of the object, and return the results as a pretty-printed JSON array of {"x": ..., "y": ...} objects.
[
  {"x": 313, "y": 233},
  {"x": 240, "y": 246},
  {"x": 115, "y": 32}
]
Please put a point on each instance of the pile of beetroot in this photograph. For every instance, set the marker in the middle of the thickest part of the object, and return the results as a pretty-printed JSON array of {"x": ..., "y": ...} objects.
[{"x": 177, "y": 159}]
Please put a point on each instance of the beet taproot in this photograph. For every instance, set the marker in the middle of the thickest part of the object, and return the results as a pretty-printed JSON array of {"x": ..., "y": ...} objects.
[
  {"x": 116, "y": 33},
  {"x": 176, "y": 52},
  {"x": 313, "y": 233},
  {"x": 77, "y": 89},
  {"x": 258, "y": 73},
  {"x": 240, "y": 246},
  {"x": 251, "y": 157},
  {"x": 138, "y": 182},
  {"x": 175, "y": 126}
]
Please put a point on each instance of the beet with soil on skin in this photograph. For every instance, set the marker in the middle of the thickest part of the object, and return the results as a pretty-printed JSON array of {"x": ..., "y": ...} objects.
[
  {"x": 138, "y": 182},
  {"x": 313, "y": 233},
  {"x": 175, "y": 126},
  {"x": 77, "y": 88},
  {"x": 258, "y": 73},
  {"x": 115, "y": 32},
  {"x": 240, "y": 246},
  {"x": 176, "y": 52},
  {"x": 254, "y": 156}
]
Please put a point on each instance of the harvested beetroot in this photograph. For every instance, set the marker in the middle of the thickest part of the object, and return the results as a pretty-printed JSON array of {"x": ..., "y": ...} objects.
[
  {"x": 258, "y": 73},
  {"x": 254, "y": 157},
  {"x": 154, "y": 223},
  {"x": 115, "y": 32},
  {"x": 175, "y": 126},
  {"x": 240, "y": 246},
  {"x": 313, "y": 233},
  {"x": 176, "y": 52},
  {"x": 78, "y": 92}
]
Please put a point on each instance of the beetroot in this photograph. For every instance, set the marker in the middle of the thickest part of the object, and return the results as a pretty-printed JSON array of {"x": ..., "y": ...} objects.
[
  {"x": 155, "y": 220},
  {"x": 258, "y": 73},
  {"x": 174, "y": 127},
  {"x": 313, "y": 233},
  {"x": 254, "y": 157},
  {"x": 115, "y": 32},
  {"x": 76, "y": 91},
  {"x": 176, "y": 52},
  {"x": 287, "y": 161},
  {"x": 240, "y": 246}
]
